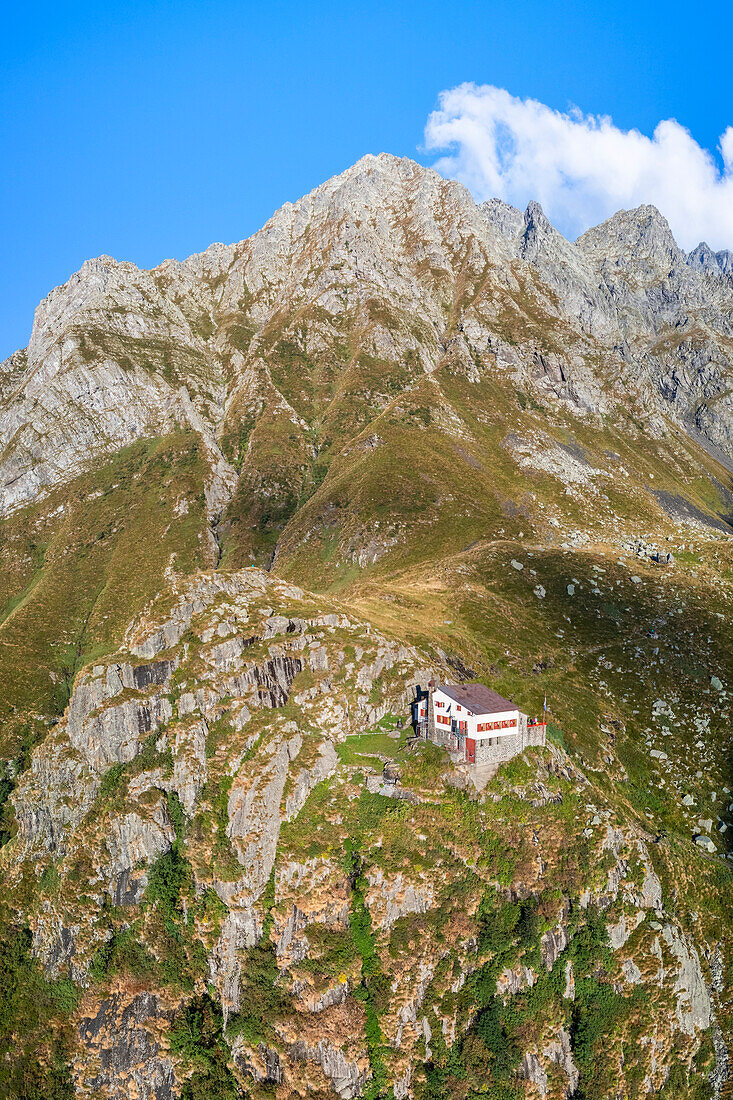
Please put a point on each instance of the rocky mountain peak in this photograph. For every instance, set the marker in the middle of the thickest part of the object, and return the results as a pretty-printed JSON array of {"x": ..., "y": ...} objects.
[
  {"x": 191, "y": 340},
  {"x": 541, "y": 236},
  {"x": 529, "y": 231},
  {"x": 638, "y": 241},
  {"x": 535, "y": 216},
  {"x": 703, "y": 258},
  {"x": 725, "y": 260},
  {"x": 90, "y": 281},
  {"x": 366, "y": 186},
  {"x": 506, "y": 218}
]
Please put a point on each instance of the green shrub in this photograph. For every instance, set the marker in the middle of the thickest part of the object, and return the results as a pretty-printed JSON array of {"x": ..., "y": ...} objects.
[
  {"x": 110, "y": 780},
  {"x": 50, "y": 879},
  {"x": 331, "y": 951},
  {"x": 597, "y": 1012},
  {"x": 555, "y": 734},
  {"x": 374, "y": 986},
  {"x": 123, "y": 953},
  {"x": 504, "y": 1052},
  {"x": 34, "y": 1030},
  {"x": 168, "y": 876},
  {"x": 498, "y": 920},
  {"x": 260, "y": 992},
  {"x": 198, "y": 1037},
  {"x": 175, "y": 813}
]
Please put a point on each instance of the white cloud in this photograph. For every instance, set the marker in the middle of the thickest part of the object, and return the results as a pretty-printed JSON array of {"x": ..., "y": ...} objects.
[{"x": 581, "y": 168}]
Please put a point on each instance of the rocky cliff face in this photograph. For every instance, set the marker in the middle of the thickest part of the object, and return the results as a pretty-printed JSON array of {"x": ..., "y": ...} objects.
[
  {"x": 199, "y": 829},
  {"x": 460, "y": 446}
]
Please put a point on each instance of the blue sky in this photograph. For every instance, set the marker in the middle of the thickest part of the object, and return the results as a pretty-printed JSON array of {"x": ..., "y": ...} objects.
[{"x": 148, "y": 130}]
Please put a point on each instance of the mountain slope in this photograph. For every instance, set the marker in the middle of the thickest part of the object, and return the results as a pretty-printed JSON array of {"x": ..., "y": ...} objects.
[{"x": 249, "y": 500}]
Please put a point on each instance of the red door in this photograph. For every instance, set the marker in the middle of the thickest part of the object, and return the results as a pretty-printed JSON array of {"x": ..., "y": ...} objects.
[{"x": 470, "y": 750}]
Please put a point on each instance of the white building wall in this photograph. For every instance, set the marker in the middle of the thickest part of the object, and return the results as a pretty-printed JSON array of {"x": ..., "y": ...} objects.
[{"x": 450, "y": 709}]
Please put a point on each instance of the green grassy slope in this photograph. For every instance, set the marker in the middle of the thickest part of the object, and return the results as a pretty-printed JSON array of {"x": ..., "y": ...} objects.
[{"x": 77, "y": 567}]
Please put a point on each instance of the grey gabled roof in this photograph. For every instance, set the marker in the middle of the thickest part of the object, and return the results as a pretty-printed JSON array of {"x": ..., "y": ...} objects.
[{"x": 477, "y": 698}]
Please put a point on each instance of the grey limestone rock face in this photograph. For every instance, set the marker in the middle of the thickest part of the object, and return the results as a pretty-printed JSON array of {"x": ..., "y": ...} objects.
[
  {"x": 392, "y": 897},
  {"x": 344, "y": 1075},
  {"x": 552, "y": 945},
  {"x": 316, "y": 893},
  {"x": 531, "y": 1070},
  {"x": 122, "y": 1052},
  {"x": 255, "y": 816},
  {"x": 561, "y": 1053},
  {"x": 307, "y": 778},
  {"x": 90, "y": 385},
  {"x": 515, "y": 980},
  {"x": 720, "y": 1074},
  {"x": 534, "y": 1068},
  {"x": 107, "y": 733},
  {"x": 240, "y": 930},
  {"x": 263, "y": 1064},
  {"x": 632, "y": 974},
  {"x": 704, "y": 259},
  {"x": 190, "y": 770},
  {"x": 693, "y": 998},
  {"x": 54, "y": 945},
  {"x": 725, "y": 260},
  {"x": 272, "y": 679},
  {"x": 53, "y": 795},
  {"x": 135, "y": 841},
  {"x": 114, "y": 735}
]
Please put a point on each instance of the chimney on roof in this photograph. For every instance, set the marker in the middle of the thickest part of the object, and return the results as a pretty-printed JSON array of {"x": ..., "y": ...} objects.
[{"x": 431, "y": 715}]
